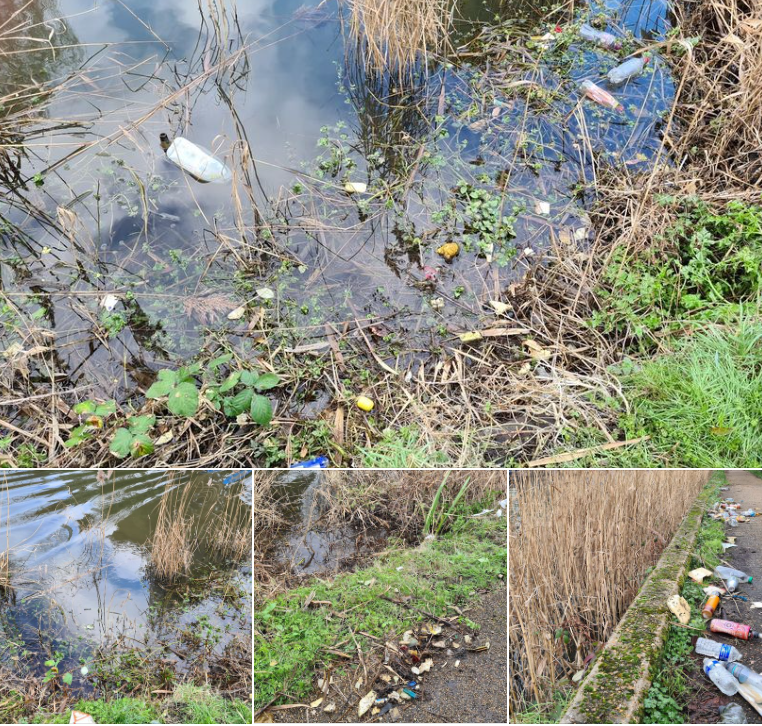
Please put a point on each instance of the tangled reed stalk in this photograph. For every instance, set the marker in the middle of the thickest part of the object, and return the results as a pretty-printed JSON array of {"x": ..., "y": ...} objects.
[
  {"x": 580, "y": 545},
  {"x": 173, "y": 541},
  {"x": 393, "y": 35},
  {"x": 231, "y": 530}
]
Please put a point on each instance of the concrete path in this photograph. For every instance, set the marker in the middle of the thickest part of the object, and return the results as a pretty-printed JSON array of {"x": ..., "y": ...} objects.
[{"x": 746, "y": 489}]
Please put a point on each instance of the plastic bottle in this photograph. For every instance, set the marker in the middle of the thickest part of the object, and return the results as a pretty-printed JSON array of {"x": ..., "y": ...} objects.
[
  {"x": 710, "y": 606},
  {"x": 720, "y": 677},
  {"x": 727, "y": 572},
  {"x": 749, "y": 513},
  {"x": 624, "y": 71},
  {"x": 599, "y": 37},
  {"x": 732, "y": 713},
  {"x": 744, "y": 673},
  {"x": 199, "y": 162},
  {"x": 733, "y": 522},
  {"x": 732, "y": 583},
  {"x": 597, "y": 94},
  {"x": 717, "y": 651},
  {"x": 737, "y": 630}
]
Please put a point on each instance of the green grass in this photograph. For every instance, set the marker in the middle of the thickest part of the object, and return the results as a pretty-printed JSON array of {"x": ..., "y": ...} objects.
[
  {"x": 404, "y": 448},
  {"x": 290, "y": 641},
  {"x": 670, "y": 690},
  {"x": 188, "y": 704}
]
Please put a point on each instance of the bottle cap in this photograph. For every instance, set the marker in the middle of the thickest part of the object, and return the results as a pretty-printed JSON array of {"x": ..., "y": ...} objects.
[{"x": 750, "y": 578}]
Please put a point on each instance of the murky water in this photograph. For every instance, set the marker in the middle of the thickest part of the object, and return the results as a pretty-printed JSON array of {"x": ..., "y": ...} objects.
[
  {"x": 111, "y": 213},
  {"x": 309, "y": 544},
  {"x": 79, "y": 565}
]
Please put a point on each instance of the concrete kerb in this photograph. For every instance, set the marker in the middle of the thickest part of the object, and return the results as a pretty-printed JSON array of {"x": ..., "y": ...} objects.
[{"x": 614, "y": 690}]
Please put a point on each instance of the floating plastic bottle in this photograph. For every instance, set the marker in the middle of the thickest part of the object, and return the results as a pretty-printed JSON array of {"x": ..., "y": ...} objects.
[
  {"x": 726, "y": 573},
  {"x": 732, "y": 713},
  {"x": 599, "y": 37},
  {"x": 597, "y": 94},
  {"x": 624, "y": 71},
  {"x": 717, "y": 651},
  {"x": 710, "y": 606},
  {"x": 197, "y": 161},
  {"x": 720, "y": 677},
  {"x": 744, "y": 673},
  {"x": 737, "y": 630}
]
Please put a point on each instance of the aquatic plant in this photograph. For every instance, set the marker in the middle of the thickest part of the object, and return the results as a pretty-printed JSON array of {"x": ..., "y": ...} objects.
[{"x": 173, "y": 542}]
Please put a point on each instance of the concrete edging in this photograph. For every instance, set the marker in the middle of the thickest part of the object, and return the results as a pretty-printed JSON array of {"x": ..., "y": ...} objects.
[{"x": 614, "y": 690}]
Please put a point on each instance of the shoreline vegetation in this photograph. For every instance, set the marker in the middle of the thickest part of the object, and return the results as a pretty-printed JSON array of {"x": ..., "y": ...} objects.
[
  {"x": 185, "y": 658},
  {"x": 442, "y": 553},
  {"x": 641, "y": 349}
]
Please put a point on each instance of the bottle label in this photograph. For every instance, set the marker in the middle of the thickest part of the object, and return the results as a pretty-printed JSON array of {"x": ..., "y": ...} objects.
[{"x": 724, "y": 652}]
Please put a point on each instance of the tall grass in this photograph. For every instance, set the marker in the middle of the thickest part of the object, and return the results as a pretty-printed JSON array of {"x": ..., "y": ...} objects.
[
  {"x": 393, "y": 35},
  {"x": 231, "y": 530},
  {"x": 173, "y": 541},
  {"x": 580, "y": 546}
]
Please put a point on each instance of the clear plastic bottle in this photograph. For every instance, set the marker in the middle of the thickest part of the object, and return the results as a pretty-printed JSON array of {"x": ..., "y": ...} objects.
[
  {"x": 599, "y": 37},
  {"x": 732, "y": 584},
  {"x": 720, "y": 677},
  {"x": 727, "y": 572},
  {"x": 597, "y": 94},
  {"x": 732, "y": 713},
  {"x": 717, "y": 651},
  {"x": 624, "y": 71},
  {"x": 744, "y": 673}
]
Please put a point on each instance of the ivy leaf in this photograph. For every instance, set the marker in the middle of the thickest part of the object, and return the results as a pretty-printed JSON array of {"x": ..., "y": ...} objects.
[
  {"x": 230, "y": 381},
  {"x": 235, "y": 405},
  {"x": 183, "y": 400},
  {"x": 267, "y": 381},
  {"x": 141, "y": 424},
  {"x": 67, "y": 678},
  {"x": 163, "y": 385},
  {"x": 261, "y": 410},
  {"x": 121, "y": 443}
]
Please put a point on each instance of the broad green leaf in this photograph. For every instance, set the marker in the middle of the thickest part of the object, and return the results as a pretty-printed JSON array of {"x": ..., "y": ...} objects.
[
  {"x": 221, "y": 360},
  {"x": 120, "y": 444},
  {"x": 141, "y": 424},
  {"x": 183, "y": 401},
  {"x": 50, "y": 662},
  {"x": 105, "y": 409},
  {"x": 249, "y": 378},
  {"x": 267, "y": 381},
  {"x": 77, "y": 436},
  {"x": 230, "y": 381},
  {"x": 67, "y": 678},
  {"x": 141, "y": 446},
  {"x": 163, "y": 385},
  {"x": 261, "y": 410},
  {"x": 84, "y": 407},
  {"x": 186, "y": 373},
  {"x": 234, "y": 405}
]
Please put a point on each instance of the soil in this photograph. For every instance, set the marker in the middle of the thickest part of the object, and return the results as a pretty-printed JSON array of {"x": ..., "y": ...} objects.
[
  {"x": 746, "y": 489},
  {"x": 474, "y": 692}
]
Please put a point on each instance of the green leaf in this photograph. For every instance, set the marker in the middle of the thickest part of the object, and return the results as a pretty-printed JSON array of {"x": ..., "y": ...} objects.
[
  {"x": 267, "y": 381},
  {"x": 141, "y": 424},
  {"x": 163, "y": 385},
  {"x": 185, "y": 373},
  {"x": 221, "y": 360},
  {"x": 50, "y": 663},
  {"x": 234, "y": 405},
  {"x": 249, "y": 378},
  {"x": 183, "y": 401},
  {"x": 77, "y": 436},
  {"x": 230, "y": 381},
  {"x": 84, "y": 407},
  {"x": 105, "y": 409},
  {"x": 121, "y": 443},
  {"x": 67, "y": 678},
  {"x": 261, "y": 410},
  {"x": 141, "y": 446}
]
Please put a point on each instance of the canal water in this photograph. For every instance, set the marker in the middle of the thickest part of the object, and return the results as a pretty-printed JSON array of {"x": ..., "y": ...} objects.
[{"x": 79, "y": 567}]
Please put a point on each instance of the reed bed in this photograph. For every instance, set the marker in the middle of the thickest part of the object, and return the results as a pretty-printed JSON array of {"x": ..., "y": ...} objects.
[
  {"x": 174, "y": 540},
  {"x": 231, "y": 530},
  {"x": 412, "y": 502},
  {"x": 580, "y": 545},
  {"x": 394, "y": 35}
]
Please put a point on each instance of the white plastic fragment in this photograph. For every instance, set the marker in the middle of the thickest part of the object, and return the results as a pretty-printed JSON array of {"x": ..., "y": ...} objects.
[
  {"x": 365, "y": 703},
  {"x": 355, "y": 188},
  {"x": 197, "y": 161},
  {"x": 109, "y": 302}
]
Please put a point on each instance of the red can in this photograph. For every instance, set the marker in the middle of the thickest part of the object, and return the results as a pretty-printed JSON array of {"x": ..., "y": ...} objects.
[{"x": 737, "y": 630}]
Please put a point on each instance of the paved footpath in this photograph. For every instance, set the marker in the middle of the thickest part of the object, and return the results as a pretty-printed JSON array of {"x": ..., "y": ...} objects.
[{"x": 746, "y": 489}]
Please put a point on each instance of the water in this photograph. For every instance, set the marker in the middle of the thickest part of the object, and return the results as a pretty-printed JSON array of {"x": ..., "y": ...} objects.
[
  {"x": 113, "y": 214},
  {"x": 79, "y": 568},
  {"x": 308, "y": 544}
]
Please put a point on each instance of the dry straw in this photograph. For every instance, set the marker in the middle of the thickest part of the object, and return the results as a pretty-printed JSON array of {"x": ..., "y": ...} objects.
[
  {"x": 173, "y": 541},
  {"x": 580, "y": 545}
]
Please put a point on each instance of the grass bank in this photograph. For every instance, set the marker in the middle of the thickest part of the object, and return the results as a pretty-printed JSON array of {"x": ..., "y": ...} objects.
[{"x": 357, "y": 611}]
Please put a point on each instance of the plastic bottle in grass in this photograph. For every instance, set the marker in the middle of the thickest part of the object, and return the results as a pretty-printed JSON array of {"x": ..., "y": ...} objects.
[
  {"x": 720, "y": 677},
  {"x": 197, "y": 161}
]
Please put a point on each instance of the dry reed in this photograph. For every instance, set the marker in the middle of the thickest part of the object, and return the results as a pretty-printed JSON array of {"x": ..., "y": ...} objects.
[
  {"x": 393, "y": 35},
  {"x": 231, "y": 529},
  {"x": 173, "y": 541},
  {"x": 580, "y": 545}
]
